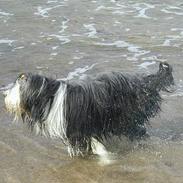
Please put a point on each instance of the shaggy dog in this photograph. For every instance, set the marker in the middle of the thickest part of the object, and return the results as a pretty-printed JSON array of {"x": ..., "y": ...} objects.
[{"x": 85, "y": 112}]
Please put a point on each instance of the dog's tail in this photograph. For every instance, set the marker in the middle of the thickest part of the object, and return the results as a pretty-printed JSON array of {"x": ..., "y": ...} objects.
[{"x": 162, "y": 80}]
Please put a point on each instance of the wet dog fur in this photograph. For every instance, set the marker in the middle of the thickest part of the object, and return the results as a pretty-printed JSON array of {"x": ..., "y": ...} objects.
[{"x": 81, "y": 112}]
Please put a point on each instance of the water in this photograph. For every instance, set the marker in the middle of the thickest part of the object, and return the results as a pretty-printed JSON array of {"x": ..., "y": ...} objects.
[{"x": 72, "y": 38}]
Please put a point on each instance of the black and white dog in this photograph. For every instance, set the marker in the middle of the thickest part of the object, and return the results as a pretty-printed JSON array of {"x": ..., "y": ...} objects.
[{"x": 87, "y": 111}]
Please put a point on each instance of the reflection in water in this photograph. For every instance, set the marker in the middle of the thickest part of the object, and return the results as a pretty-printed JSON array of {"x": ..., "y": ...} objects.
[{"x": 69, "y": 39}]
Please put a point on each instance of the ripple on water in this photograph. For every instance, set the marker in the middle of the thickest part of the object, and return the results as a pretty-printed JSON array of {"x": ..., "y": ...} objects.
[
  {"x": 92, "y": 30},
  {"x": 78, "y": 72},
  {"x": 135, "y": 50},
  {"x": 142, "y": 9},
  {"x": 44, "y": 12},
  {"x": 3, "y": 13},
  {"x": 173, "y": 10}
]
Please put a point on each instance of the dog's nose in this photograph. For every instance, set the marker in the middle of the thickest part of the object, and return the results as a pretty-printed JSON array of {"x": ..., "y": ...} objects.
[
  {"x": 4, "y": 93},
  {"x": 5, "y": 89}
]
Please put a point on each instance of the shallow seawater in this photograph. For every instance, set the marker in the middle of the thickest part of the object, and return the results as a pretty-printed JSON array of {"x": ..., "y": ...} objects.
[{"x": 69, "y": 39}]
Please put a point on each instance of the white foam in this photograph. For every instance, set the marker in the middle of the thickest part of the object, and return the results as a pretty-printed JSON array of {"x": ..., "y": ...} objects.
[
  {"x": 133, "y": 48},
  {"x": 54, "y": 47},
  {"x": 117, "y": 22},
  {"x": 167, "y": 42},
  {"x": 33, "y": 44},
  {"x": 138, "y": 51},
  {"x": 146, "y": 64},
  {"x": 107, "y": 8},
  {"x": 77, "y": 57},
  {"x": 63, "y": 39},
  {"x": 2, "y": 13},
  {"x": 142, "y": 10},
  {"x": 41, "y": 67},
  {"x": 78, "y": 72},
  {"x": 18, "y": 48},
  {"x": 44, "y": 11},
  {"x": 76, "y": 35},
  {"x": 92, "y": 31},
  {"x": 177, "y": 93},
  {"x": 169, "y": 18},
  {"x": 118, "y": 12},
  {"x": 54, "y": 54},
  {"x": 174, "y": 7},
  {"x": 52, "y": 1},
  {"x": 173, "y": 10},
  {"x": 153, "y": 58},
  {"x": 71, "y": 62},
  {"x": 64, "y": 26},
  {"x": 61, "y": 36},
  {"x": 173, "y": 40},
  {"x": 7, "y": 41},
  {"x": 176, "y": 29},
  {"x": 118, "y": 44}
]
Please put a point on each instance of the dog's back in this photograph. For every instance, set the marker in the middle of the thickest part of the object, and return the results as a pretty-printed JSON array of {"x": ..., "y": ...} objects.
[{"x": 115, "y": 104}]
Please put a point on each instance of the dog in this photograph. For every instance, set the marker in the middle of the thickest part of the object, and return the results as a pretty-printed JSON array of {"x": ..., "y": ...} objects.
[{"x": 84, "y": 112}]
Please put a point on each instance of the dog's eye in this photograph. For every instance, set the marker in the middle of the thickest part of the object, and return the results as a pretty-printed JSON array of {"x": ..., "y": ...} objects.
[{"x": 22, "y": 77}]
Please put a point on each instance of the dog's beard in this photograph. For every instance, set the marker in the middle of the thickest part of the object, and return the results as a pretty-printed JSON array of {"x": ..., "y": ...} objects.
[{"x": 12, "y": 100}]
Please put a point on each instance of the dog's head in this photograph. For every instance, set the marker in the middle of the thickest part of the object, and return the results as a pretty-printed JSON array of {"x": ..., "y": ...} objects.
[
  {"x": 165, "y": 77},
  {"x": 13, "y": 94},
  {"x": 28, "y": 95}
]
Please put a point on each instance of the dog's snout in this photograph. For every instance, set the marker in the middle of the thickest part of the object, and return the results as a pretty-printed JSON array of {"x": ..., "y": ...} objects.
[
  {"x": 5, "y": 89},
  {"x": 5, "y": 93}
]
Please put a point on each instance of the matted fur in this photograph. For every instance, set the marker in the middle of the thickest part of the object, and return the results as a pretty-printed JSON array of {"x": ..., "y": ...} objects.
[{"x": 83, "y": 112}]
